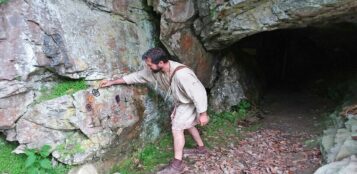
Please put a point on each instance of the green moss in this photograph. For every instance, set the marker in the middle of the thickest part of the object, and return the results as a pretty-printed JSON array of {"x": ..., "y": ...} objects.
[
  {"x": 3, "y": 1},
  {"x": 152, "y": 155},
  {"x": 64, "y": 87},
  {"x": 70, "y": 149},
  {"x": 72, "y": 146}
]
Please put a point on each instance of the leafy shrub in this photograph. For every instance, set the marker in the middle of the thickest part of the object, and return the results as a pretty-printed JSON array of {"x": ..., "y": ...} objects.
[
  {"x": 37, "y": 161},
  {"x": 15, "y": 163},
  {"x": 242, "y": 108}
]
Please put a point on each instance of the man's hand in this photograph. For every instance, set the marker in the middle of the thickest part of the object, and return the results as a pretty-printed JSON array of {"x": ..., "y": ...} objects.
[
  {"x": 203, "y": 118},
  {"x": 105, "y": 83}
]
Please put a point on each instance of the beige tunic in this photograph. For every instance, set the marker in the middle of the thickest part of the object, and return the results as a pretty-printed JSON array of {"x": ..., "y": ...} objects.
[{"x": 188, "y": 92}]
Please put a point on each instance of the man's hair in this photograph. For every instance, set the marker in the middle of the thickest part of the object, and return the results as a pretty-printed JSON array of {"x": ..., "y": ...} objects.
[{"x": 156, "y": 55}]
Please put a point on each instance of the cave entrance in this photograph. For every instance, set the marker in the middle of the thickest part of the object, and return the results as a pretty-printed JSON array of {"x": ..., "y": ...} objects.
[
  {"x": 302, "y": 72},
  {"x": 291, "y": 58}
]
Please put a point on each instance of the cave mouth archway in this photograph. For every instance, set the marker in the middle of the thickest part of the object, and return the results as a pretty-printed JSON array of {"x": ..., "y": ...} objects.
[
  {"x": 294, "y": 64},
  {"x": 294, "y": 58}
]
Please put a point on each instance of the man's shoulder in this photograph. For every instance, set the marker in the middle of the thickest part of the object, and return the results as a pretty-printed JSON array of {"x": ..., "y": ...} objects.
[
  {"x": 185, "y": 72},
  {"x": 175, "y": 64}
]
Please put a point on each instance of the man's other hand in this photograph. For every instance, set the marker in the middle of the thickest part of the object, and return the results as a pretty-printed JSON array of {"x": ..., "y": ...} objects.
[{"x": 203, "y": 118}]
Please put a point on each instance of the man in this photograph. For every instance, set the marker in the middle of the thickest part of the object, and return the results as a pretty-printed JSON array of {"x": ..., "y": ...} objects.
[{"x": 189, "y": 95}]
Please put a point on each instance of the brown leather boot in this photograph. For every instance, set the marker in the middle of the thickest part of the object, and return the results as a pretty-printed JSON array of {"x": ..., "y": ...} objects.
[
  {"x": 175, "y": 167},
  {"x": 199, "y": 150}
]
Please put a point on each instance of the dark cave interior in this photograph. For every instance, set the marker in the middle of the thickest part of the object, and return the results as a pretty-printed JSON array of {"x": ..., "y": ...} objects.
[{"x": 294, "y": 58}]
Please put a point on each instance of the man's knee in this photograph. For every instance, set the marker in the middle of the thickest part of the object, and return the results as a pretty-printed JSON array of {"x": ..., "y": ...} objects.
[
  {"x": 177, "y": 131},
  {"x": 192, "y": 129}
]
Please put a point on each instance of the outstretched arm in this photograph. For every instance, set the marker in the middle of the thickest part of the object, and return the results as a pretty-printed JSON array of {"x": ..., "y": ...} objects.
[
  {"x": 142, "y": 76},
  {"x": 106, "y": 83}
]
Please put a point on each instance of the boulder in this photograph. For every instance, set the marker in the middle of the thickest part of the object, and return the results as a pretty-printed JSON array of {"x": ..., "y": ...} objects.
[
  {"x": 345, "y": 166},
  {"x": 42, "y": 42}
]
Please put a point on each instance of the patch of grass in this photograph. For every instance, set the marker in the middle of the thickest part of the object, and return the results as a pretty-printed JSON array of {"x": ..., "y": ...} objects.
[
  {"x": 15, "y": 164},
  {"x": 148, "y": 158},
  {"x": 9, "y": 162},
  {"x": 64, "y": 87},
  {"x": 222, "y": 126},
  {"x": 152, "y": 155},
  {"x": 61, "y": 168},
  {"x": 125, "y": 167}
]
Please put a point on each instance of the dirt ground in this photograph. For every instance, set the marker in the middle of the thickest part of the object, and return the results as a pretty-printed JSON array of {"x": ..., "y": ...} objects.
[{"x": 285, "y": 143}]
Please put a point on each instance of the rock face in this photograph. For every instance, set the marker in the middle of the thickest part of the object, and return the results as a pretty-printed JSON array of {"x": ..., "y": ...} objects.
[
  {"x": 92, "y": 40},
  {"x": 235, "y": 79},
  {"x": 177, "y": 35},
  {"x": 70, "y": 39},
  {"x": 227, "y": 91},
  {"x": 222, "y": 23}
]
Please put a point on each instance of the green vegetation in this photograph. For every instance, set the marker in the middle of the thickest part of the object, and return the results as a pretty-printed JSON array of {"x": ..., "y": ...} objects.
[
  {"x": 9, "y": 162},
  {"x": 16, "y": 164},
  {"x": 3, "y": 1},
  {"x": 64, "y": 87},
  {"x": 146, "y": 159},
  {"x": 37, "y": 160},
  {"x": 242, "y": 108},
  {"x": 222, "y": 126}
]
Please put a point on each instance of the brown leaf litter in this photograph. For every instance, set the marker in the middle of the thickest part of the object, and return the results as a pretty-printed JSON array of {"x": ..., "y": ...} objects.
[{"x": 262, "y": 152}]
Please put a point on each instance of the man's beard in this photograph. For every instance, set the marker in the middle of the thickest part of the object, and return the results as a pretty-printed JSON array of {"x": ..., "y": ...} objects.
[{"x": 157, "y": 70}]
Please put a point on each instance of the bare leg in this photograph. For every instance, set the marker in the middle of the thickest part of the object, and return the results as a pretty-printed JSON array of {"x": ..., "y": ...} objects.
[
  {"x": 179, "y": 143},
  {"x": 196, "y": 136}
]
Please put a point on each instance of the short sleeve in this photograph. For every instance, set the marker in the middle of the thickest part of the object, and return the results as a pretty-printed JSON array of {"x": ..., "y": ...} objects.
[{"x": 142, "y": 76}]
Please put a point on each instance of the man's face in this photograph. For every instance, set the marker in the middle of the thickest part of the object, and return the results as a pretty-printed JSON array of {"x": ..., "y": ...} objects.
[{"x": 155, "y": 68}]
